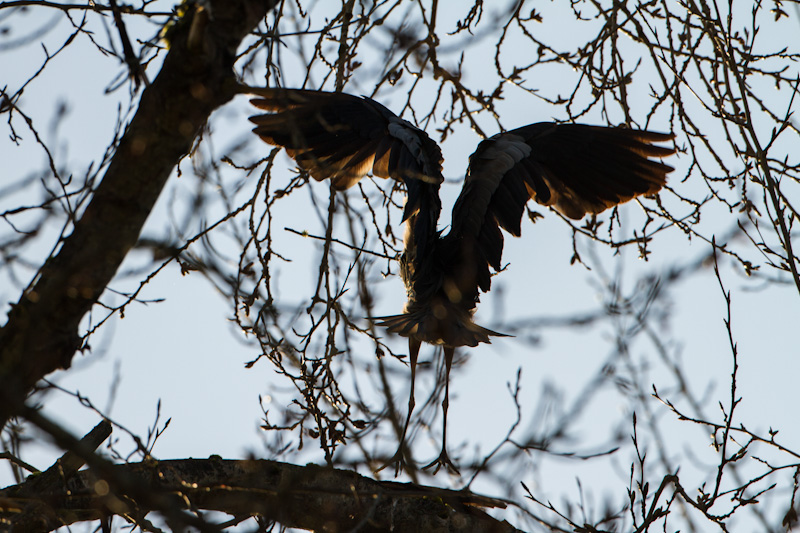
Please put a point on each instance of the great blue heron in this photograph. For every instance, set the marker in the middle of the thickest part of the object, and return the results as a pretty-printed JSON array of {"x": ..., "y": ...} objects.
[{"x": 575, "y": 169}]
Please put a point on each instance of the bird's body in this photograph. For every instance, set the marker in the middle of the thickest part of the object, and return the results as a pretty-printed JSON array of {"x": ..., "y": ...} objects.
[{"x": 576, "y": 169}]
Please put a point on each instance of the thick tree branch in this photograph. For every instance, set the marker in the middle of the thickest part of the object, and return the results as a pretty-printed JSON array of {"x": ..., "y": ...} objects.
[
  {"x": 307, "y": 497},
  {"x": 41, "y": 334}
]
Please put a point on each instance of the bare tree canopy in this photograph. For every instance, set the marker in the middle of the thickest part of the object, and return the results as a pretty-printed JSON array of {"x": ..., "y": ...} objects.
[{"x": 189, "y": 291}]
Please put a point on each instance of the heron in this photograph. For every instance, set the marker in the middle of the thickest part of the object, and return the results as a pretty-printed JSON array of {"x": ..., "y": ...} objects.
[{"x": 573, "y": 168}]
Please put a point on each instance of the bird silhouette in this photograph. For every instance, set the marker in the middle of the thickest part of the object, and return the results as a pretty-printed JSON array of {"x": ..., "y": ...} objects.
[{"x": 575, "y": 169}]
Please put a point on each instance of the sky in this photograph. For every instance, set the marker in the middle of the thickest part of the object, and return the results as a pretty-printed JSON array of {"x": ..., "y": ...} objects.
[{"x": 181, "y": 353}]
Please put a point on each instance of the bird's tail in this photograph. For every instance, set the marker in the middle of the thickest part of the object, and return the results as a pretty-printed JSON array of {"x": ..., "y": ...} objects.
[{"x": 423, "y": 325}]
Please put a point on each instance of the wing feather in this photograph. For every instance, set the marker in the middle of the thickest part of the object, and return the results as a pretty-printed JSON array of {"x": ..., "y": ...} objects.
[
  {"x": 342, "y": 137},
  {"x": 574, "y": 168}
]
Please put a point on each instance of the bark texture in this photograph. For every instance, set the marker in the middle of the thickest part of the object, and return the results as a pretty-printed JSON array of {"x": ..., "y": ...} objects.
[
  {"x": 307, "y": 497},
  {"x": 42, "y": 331}
]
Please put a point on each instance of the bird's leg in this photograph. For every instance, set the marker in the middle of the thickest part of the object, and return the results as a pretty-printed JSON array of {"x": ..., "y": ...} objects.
[
  {"x": 444, "y": 459},
  {"x": 399, "y": 457}
]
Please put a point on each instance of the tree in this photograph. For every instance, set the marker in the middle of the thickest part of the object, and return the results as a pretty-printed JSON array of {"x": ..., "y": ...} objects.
[{"x": 719, "y": 285}]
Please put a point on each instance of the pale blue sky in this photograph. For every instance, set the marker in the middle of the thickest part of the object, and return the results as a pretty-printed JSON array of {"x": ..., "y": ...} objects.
[{"x": 185, "y": 352}]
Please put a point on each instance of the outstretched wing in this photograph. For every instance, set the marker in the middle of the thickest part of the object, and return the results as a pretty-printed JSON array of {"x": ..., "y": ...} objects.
[
  {"x": 342, "y": 137},
  {"x": 576, "y": 169}
]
